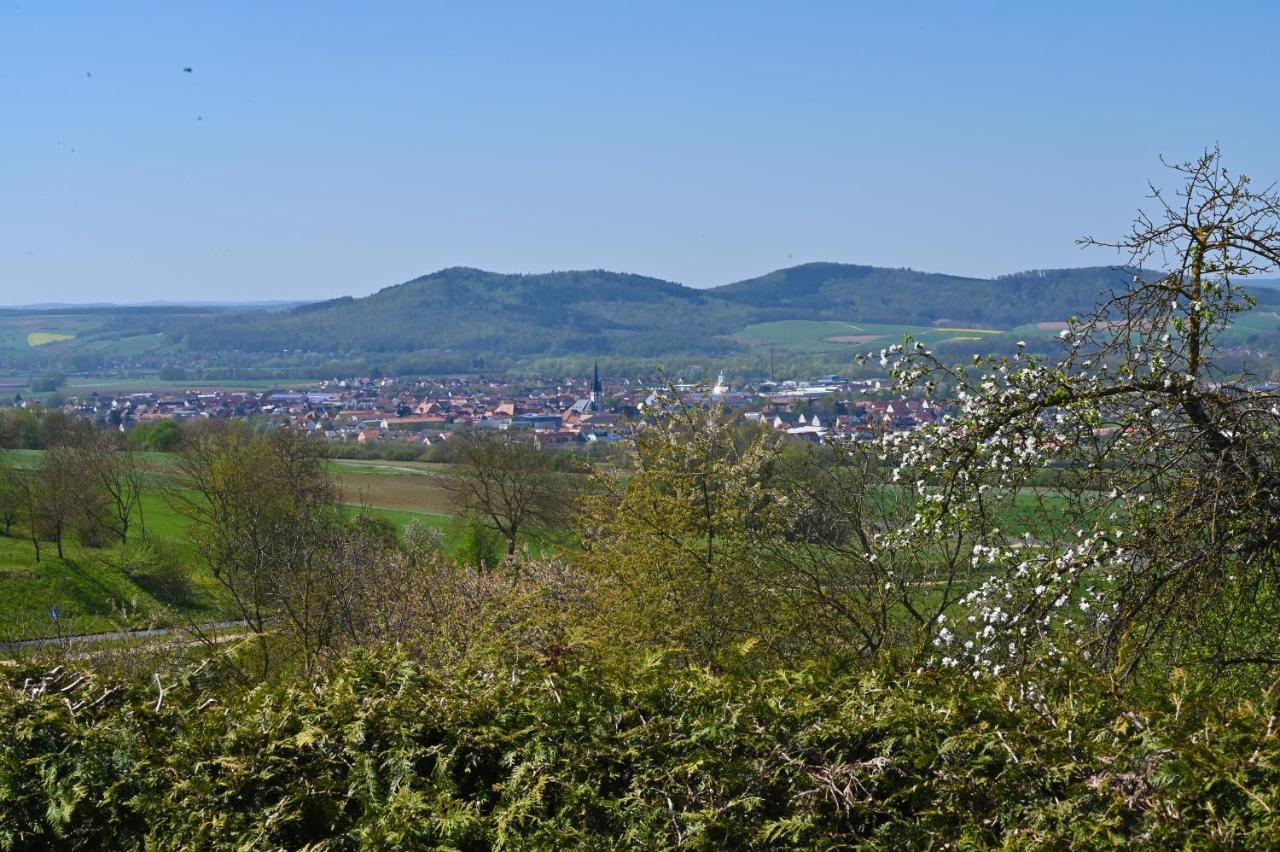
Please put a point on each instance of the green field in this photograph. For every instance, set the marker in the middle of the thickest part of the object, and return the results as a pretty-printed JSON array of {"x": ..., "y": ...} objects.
[
  {"x": 825, "y": 336},
  {"x": 30, "y": 331},
  {"x": 828, "y": 336},
  {"x": 145, "y": 385},
  {"x": 122, "y": 347},
  {"x": 91, "y": 587},
  {"x": 382, "y": 467}
]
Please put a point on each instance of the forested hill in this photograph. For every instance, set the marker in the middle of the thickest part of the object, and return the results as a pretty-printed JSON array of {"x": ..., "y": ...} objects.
[
  {"x": 878, "y": 294},
  {"x": 470, "y": 309},
  {"x": 467, "y": 310}
]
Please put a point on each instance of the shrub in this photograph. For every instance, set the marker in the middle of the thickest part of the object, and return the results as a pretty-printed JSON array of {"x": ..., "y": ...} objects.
[
  {"x": 474, "y": 543},
  {"x": 157, "y": 568},
  {"x": 384, "y": 752}
]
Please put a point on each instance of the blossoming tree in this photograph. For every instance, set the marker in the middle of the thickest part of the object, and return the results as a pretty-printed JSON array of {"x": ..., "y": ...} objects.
[{"x": 1165, "y": 504}]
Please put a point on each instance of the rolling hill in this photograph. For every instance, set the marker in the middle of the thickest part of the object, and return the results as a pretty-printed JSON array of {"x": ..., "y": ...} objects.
[
  {"x": 881, "y": 295},
  {"x": 464, "y": 309},
  {"x": 463, "y": 319},
  {"x": 596, "y": 311}
]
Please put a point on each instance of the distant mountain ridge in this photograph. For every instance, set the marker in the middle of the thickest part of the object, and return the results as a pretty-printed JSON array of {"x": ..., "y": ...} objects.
[
  {"x": 462, "y": 309},
  {"x": 469, "y": 309},
  {"x": 885, "y": 295}
]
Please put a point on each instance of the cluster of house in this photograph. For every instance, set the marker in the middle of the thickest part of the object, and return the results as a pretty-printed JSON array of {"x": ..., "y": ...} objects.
[
  {"x": 863, "y": 419},
  {"x": 424, "y": 412}
]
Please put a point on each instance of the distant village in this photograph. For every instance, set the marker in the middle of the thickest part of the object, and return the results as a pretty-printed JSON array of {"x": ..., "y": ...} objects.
[{"x": 385, "y": 412}]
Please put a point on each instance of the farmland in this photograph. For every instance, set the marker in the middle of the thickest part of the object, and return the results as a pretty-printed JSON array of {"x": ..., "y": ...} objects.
[
  {"x": 826, "y": 336},
  {"x": 43, "y": 338},
  {"x": 106, "y": 385}
]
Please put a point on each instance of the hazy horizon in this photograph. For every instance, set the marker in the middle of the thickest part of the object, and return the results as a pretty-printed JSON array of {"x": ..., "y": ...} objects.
[{"x": 314, "y": 152}]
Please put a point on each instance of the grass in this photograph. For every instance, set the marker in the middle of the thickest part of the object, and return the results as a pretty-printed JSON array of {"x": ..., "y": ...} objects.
[
  {"x": 90, "y": 589},
  {"x": 23, "y": 331},
  {"x": 121, "y": 347},
  {"x": 23, "y": 459},
  {"x": 93, "y": 593},
  {"x": 406, "y": 492},
  {"x": 144, "y": 385},
  {"x": 402, "y": 518},
  {"x": 797, "y": 332},
  {"x": 381, "y": 467},
  {"x": 826, "y": 336}
]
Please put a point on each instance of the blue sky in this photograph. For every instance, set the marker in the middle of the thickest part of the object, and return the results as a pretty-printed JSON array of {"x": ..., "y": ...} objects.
[{"x": 319, "y": 149}]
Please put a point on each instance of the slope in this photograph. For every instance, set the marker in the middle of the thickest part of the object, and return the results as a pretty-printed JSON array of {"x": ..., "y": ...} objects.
[{"x": 470, "y": 309}]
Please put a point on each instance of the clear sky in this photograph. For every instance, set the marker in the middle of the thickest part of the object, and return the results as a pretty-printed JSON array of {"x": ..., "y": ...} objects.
[{"x": 318, "y": 149}]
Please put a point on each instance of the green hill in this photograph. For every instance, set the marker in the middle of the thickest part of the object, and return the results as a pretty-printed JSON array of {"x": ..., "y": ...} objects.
[
  {"x": 612, "y": 313},
  {"x": 463, "y": 319},
  {"x": 469, "y": 310},
  {"x": 881, "y": 295}
]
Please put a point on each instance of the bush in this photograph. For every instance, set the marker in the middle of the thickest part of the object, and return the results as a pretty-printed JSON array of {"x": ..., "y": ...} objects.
[
  {"x": 156, "y": 568},
  {"x": 48, "y": 382},
  {"x": 474, "y": 543},
  {"x": 421, "y": 541},
  {"x": 388, "y": 753}
]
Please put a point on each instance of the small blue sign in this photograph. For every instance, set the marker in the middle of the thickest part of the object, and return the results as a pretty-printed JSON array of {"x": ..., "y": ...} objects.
[{"x": 53, "y": 613}]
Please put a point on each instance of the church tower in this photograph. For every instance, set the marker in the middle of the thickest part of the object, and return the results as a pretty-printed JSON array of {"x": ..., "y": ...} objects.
[{"x": 596, "y": 394}]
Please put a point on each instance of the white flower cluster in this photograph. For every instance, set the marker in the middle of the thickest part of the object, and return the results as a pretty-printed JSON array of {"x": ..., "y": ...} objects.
[{"x": 1010, "y": 420}]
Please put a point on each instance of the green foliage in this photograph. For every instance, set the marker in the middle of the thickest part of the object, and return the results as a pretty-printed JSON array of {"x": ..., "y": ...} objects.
[
  {"x": 157, "y": 568},
  {"x": 558, "y": 322},
  {"x": 675, "y": 542},
  {"x": 490, "y": 316},
  {"x": 894, "y": 296},
  {"x": 47, "y": 382},
  {"x": 475, "y": 543},
  {"x": 161, "y": 436},
  {"x": 387, "y": 753}
]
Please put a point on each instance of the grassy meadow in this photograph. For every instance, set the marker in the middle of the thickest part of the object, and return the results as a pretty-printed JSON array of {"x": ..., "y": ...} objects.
[
  {"x": 107, "y": 385},
  {"x": 824, "y": 336},
  {"x": 100, "y": 589}
]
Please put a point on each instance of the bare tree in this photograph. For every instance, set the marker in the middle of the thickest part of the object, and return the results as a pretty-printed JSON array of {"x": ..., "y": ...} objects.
[
  {"x": 263, "y": 508},
  {"x": 31, "y": 489},
  {"x": 11, "y": 496},
  {"x": 508, "y": 481},
  {"x": 59, "y": 495},
  {"x": 120, "y": 477}
]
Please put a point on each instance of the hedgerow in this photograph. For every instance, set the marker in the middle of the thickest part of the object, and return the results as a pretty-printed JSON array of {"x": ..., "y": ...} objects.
[{"x": 386, "y": 752}]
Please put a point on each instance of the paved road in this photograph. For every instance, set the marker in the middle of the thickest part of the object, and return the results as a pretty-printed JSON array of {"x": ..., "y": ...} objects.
[{"x": 114, "y": 635}]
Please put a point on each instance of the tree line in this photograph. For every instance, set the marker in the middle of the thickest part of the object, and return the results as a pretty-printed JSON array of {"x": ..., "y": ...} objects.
[{"x": 87, "y": 484}]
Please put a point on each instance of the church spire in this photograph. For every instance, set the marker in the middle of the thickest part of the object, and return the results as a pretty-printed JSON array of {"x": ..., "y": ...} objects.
[{"x": 595, "y": 386}]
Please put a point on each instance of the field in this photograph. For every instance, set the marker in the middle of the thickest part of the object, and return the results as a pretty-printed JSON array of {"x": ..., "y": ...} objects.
[
  {"x": 388, "y": 489},
  {"x": 30, "y": 331},
  {"x": 146, "y": 385},
  {"x": 828, "y": 336},
  {"x": 823, "y": 336},
  {"x": 43, "y": 338},
  {"x": 91, "y": 587},
  {"x": 123, "y": 347}
]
